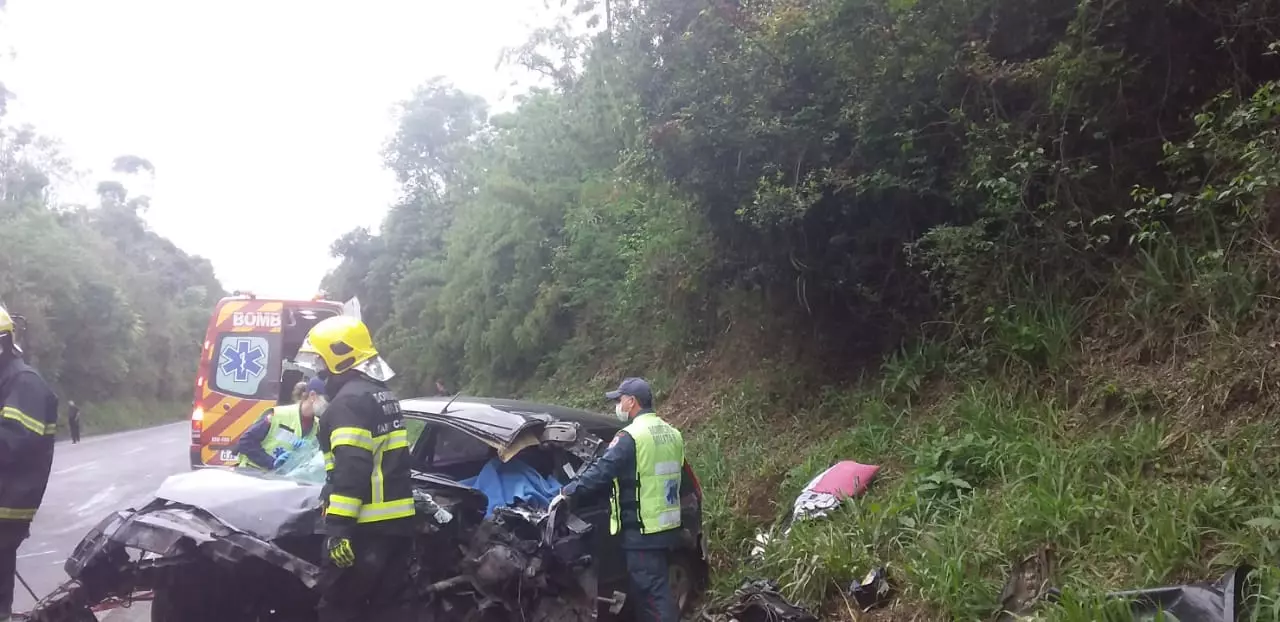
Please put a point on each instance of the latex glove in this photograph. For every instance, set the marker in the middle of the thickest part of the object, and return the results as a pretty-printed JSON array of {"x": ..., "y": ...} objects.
[
  {"x": 280, "y": 460},
  {"x": 298, "y": 443},
  {"x": 340, "y": 551}
]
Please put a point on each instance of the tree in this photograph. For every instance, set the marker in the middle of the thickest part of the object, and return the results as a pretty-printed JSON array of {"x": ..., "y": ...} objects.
[
  {"x": 856, "y": 169},
  {"x": 114, "y": 310}
]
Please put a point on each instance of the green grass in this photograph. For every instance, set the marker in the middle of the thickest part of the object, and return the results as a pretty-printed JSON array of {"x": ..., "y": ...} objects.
[
  {"x": 122, "y": 414},
  {"x": 977, "y": 482}
]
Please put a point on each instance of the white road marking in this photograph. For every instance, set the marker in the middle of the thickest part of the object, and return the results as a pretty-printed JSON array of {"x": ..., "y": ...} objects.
[
  {"x": 78, "y": 467},
  {"x": 97, "y": 499},
  {"x": 36, "y": 554}
]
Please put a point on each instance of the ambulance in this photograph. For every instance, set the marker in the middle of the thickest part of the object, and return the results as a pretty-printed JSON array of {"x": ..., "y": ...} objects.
[{"x": 246, "y": 368}]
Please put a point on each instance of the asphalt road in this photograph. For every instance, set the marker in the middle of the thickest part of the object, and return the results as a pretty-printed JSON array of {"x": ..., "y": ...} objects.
[{"x": 89, "y": 480}]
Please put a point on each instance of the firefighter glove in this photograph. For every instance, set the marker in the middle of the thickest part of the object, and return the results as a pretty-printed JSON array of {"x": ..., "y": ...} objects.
[{"x": 340, "y": 551}]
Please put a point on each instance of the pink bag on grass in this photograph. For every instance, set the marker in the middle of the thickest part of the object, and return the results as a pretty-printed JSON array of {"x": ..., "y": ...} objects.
[{"x": 844, "y": 480}]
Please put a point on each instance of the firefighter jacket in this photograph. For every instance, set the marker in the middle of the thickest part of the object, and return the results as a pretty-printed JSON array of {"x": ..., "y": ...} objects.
[
  {"x": 27, "y": 425},
  {"x": 367, "y": 485}
]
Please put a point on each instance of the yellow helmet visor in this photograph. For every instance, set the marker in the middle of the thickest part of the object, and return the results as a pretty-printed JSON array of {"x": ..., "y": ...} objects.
[
  {"x": 376, "y": 368},
  {"x": 308, "y": 359}
]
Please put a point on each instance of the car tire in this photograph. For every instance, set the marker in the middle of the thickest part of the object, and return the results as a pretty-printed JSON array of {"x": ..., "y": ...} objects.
[
  {"x": 80, "y": 615},
  {"x": 170, "y": 606},
  {"x": 191, "y": 593},
  {"x": 685, "y": 575}
]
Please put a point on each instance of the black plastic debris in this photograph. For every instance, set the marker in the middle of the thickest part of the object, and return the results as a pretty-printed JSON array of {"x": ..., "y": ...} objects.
[
  {"x": 1221, "y": 601},
  {"x": 758, "y": 601},
  {"x": 873, "y": 591}
]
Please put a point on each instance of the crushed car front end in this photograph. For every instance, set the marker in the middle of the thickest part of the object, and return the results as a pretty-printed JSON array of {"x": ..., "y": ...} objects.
[
  {"x": 222, "y": 545},
  {"x": 137, "y": 555}
]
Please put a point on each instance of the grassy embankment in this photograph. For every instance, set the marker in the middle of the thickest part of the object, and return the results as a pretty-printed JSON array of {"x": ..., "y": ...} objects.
[
  {"x": 122, "y": 414},
  {"x": 978, "y": 480},
  {"x": 978, "y": 473}
]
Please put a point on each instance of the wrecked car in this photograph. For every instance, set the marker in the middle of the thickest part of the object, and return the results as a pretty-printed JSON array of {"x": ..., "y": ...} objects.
[{"x": 218, "y": 544}]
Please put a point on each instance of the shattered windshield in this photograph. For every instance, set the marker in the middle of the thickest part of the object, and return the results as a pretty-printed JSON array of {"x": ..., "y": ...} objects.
[{"x": 306, "y": 463}]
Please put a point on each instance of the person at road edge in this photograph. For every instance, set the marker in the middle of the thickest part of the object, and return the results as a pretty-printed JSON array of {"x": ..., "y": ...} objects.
[
  {"x": 73, "y": 421},
  {"x": 643, "y": 464},
  {"x": 28, "y": 421},
  {"x": 269, "y": 443},
  {"x": 368, "y": 493}
]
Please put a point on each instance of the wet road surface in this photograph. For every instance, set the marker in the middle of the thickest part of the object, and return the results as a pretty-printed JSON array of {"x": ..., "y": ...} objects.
[{"x": 89, "y": 480}]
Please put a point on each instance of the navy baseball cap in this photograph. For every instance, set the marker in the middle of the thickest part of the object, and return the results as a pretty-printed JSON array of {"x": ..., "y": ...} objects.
[
  {"x": 635, "y": 387},
  {"x": 315, "y": 384}
]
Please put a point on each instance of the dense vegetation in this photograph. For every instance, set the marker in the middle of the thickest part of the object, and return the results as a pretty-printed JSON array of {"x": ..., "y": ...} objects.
[
  {"x": 860, "y": 172},
  {"x": 1021, "y": 253},
  {"x": 116, "y": 313}
]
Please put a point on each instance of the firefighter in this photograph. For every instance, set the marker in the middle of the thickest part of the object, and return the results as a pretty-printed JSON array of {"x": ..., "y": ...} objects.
[
  {"x": 27, "y": 425},
  {"x": 368, "y": 495},
  {"x": 282, "y": 430},
  {"x": 642, "y": 466}
]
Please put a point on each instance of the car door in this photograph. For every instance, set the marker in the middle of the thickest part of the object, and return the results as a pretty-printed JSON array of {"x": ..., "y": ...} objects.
[
  {"x": 595, "y": 509},
  {"x": 441, "y": 449}
]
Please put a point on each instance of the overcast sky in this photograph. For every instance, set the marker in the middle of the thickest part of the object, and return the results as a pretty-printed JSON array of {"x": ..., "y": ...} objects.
[{"x": 264, "y": 118}]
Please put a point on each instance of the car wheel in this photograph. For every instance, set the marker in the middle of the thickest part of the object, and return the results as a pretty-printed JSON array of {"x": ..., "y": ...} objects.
[
  {"x": 170, "y": 606},
  {"x": 80, "y": 615},
  {"x": 192, "y": 593},
  {"x": 685, "y": 581}
]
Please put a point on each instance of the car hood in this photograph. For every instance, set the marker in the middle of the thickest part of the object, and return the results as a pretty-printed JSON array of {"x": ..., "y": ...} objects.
[{"x": 265, "y": 506}]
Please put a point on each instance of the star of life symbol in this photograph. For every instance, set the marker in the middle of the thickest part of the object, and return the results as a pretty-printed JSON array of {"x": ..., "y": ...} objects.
[{"x": 242, "y": 359}]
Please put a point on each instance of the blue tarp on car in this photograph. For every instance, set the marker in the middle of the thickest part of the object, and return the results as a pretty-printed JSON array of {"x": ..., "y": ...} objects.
[{"x": 504, "y": 482}]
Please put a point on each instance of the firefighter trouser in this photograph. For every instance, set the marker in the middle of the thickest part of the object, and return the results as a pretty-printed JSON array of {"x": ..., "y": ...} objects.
[
  {"x": 650, "y": 594},
  {"x": 375, "y": 588},
  {"x": 11, "y": 536}
]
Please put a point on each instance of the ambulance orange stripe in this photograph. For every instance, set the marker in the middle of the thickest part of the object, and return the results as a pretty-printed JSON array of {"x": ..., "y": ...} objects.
[
  {"x": 225, "y": 319},
  {"x": 226, "y": 324},
  {"x": 225, "y": 313},
  {"x": 245, "y": 421},
  {"x": 227, "y": 418},
  {"x": 238, "y": 426},
  {"x": 248, "y": 306}
]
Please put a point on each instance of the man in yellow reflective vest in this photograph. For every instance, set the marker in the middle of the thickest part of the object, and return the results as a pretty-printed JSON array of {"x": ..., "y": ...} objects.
[
  {"x": 28, "y": 418},
  {"x": 368, "y": 493},
  {"x": 643, "y": 466},
  {"x": 268, "y": 444}
]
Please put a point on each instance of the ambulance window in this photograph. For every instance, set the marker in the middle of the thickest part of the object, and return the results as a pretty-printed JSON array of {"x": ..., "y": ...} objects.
[{"x": 242, "y": 366}]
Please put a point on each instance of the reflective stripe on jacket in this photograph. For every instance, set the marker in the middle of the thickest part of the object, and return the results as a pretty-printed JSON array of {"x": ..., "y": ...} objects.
[
  {"x": 367, "y": 460},
  {"x": 28, "y": 422}
]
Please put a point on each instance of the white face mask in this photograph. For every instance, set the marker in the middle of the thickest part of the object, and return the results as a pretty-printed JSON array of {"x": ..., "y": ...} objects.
[
  {"x": 319, "y": 405},
  {"x": 618, "y": 412}
]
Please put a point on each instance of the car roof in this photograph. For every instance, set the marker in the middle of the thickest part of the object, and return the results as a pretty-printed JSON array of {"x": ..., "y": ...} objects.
[{"x": 502, "y": 416}]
